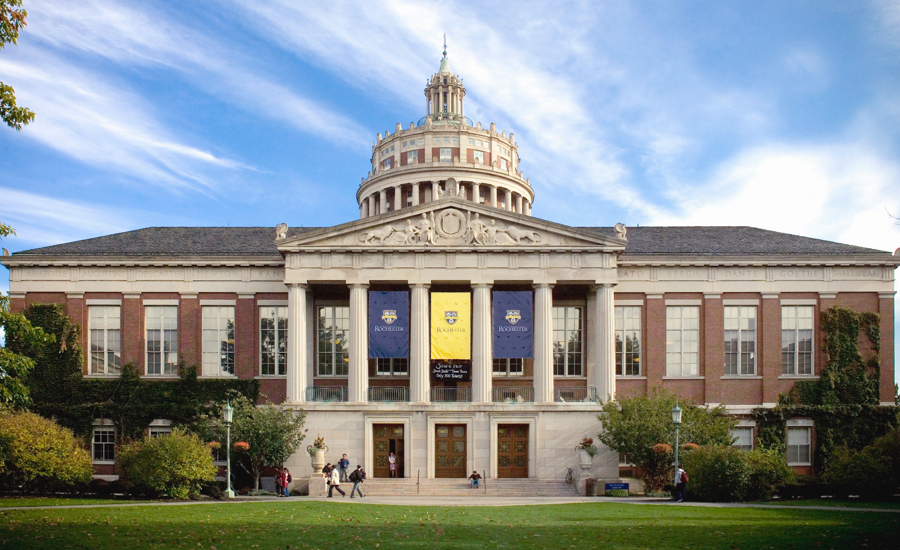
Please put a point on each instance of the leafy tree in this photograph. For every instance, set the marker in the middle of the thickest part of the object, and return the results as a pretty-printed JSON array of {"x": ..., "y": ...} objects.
[
  {"x": 176, "y": 464},
  {"x": 274, "y": 433},
  {"x": 39, "y": 454},
  {"x": 12, "y": 19},
  {"x": 635, "y": 424}
]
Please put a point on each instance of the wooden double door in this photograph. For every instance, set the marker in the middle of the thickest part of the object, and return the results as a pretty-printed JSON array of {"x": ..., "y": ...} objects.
[
  {"x": 512, "y": 450},
  {"x": 450, "y": 451},
  {"x": 387, "y": 439}
]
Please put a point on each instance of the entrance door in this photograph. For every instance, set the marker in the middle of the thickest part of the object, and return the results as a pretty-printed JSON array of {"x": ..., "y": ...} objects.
[
  {"x": 512, "y": 450},
  {"x": 450, "y": 451},
  {"x": 387, "y": 439}
]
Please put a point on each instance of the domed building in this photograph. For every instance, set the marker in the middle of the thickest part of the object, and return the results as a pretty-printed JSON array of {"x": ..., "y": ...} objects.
[{"x": 451, "y": 328}]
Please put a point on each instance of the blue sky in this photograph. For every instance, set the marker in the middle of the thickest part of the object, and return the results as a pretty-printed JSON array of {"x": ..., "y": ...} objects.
[{"x": 783, "y": 115}]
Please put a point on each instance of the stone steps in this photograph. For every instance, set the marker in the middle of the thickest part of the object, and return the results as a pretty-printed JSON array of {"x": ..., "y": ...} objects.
[{"x": 460, "y": 488}]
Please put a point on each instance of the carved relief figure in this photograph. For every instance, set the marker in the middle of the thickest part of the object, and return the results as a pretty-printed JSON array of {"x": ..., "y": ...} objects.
[
  {"x": 490, "y": 233},
  {"x": 281, "y": 231},
  {"x": 475, "y": 230},
  {"x": 517, "y": 235},
  {"x": 621, "y": 230},
  {"x": 426, "y": 227},
  {"x": 411, "y": 233},
  {"x": 380, "y": 234}
]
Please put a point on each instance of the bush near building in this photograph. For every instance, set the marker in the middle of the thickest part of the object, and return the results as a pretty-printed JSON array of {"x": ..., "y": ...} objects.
[
  {"x": 176, "y": 465},
  {"x": 38, "y": 455},
  {"x": 721, "y": 473},
  {"x": 872, "y": 472}
]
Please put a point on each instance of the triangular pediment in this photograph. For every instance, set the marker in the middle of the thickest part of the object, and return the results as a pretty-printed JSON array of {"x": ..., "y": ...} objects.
[{"x": 450, "y": 222}]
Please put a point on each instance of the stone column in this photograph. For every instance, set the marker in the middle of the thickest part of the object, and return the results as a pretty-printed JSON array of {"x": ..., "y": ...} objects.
[
  {"x": 296, "y": 360},
  {"x": 476, "y": 192},
  {"x": 415, "y": 188},
  {"x": 519, "y": 202},
  {"x": 482, "y": 344},
  {"x": 358, "y": 383},
  {"x": 382, "y": 201},
  {"x": 419, "y": 348},
  {"x": 371, "y": 205},
  {"x": 363, "y": 209},
  {"x": 527, "y": 208},
  {"x": 398, "y": 198},
  {"x": 543, "y": 343},
  {"x": 494, "y": 196},
  {"x": 435, "y": 190},
  {"x": 603, "y": 376}
]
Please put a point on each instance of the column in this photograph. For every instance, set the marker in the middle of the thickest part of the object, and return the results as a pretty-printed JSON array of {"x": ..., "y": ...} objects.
[
  {"x": 603, "y": 377},
  {"x": 419, "y": 345},
  {"x": 494, "y": 196},
  {"x": 382, "y": 201},
  {"x": 398, "y": 198},
  {"x": 362, "y": 209},
  {"x": 476, "y": 192},
  {"x": 527, "y": 208},
  {"x": 509, "y": 201},
  {"x": 415, "y": 188},
  {"x": 371, "y": 210},
  {"x": 543, "y": 343},
  {"x": 296, "y": 367},
  {"x": 519, "y": 202},
  {"x": 435, "y": 190},
  {"x": 358, "y": 382},
  {"x": 482, "y": 344}
]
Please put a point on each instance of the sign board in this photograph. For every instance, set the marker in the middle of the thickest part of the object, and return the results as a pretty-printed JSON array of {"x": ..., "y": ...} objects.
[
  {"x": 615, "y": 486},
  {"x": 454, "y": 372}
]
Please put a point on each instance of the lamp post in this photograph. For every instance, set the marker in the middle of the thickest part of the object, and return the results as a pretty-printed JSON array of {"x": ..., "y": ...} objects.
[
  {"x": 676, "y": 419},
  {"x": 227, "y": 416}
]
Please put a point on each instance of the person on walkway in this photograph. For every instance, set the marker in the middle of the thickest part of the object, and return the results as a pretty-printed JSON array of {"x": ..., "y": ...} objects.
[
  {"x": 335, "y": 483},
  {"x": 287, "y": 482},
  {"x": 681, "y": 479},
  {"x": 392, "y": 465},
  {"x": 344, "y": 465},
  {"x": 326, "y": 471},
  {"x": 357, "y": 477},
  {"x": 476, "y": 479},
  {"x": 279, "y": 482}
]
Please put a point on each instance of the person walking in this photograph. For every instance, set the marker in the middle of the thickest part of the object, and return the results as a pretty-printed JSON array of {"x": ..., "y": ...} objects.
[
  {"x": 392, "y": 465},
  {"x": 279, "y": 482},
  {"x": 476, "y": 479},
  {"x": 335, "y": 483},
  {"x": 681, "y": 480},
  {"x": 344, "y": 465},
  {"x": 287, "y": 482},
  {"x": 357, "y": 476}
]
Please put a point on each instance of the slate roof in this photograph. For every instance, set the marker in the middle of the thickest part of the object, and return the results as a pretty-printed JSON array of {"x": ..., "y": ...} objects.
[{"x": 259, "y": 241}]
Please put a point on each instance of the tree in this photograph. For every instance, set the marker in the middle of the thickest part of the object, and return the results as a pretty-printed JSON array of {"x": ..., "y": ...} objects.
[
  {"x": 634, "y": 425},
  {"x": 273, "y": 433},
  {"x": 12, "y": 19}
]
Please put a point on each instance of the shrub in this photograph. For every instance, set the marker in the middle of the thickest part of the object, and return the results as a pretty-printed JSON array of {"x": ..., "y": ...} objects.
[
  {"x": 873, "y": 471},
  {"x": 40, "y": 455},
  {"x": 769, "y": 472},
  {"x": 174, "y": 465},
  {"x": 727, "y": 474},
  {"x": 617, "y": 493}
]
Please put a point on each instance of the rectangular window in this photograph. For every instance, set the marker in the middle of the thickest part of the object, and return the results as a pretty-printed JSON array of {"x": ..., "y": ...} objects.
[
  {"x": 482, "y": 195},
  {"x": 478, "y": 143},
  {"x": 421, "y": 141},
  {"x": 454, "y": 140},
  {"x": 682, "y": 340},
  {"x": 446, "y": 140},
  {"x": 798, "y": 446},
  {"x": 104, "y": 445},
  {"x": 743, "y": 438},
  {"x": 796, "y": 340},
  {"x": 159, "y": 431},
  {"x": 503, "y": 163},
  {"x": 333, "y": 338},
  {"x": 628, "y": 341},
  {"x": 740, "y": 340},
  {"x": 104, "y": 324},
  {"x": 471, "y": 141},
  {"x": 412, "y": 156},
  {"x": 446, "y": 153},
  {"x": 218, "y": 340},
  {"x": 273, "y": 340},
  {"x": 397, "y": 366},
  {"x": 568, "y": 344},
  {"x": 409, "y": 197},
  {"x": 478, "y": 156},
  {"x": 509, "y": 366},
  {"x": 161, "y": 324},
  {"x": 387, "y": 162}
]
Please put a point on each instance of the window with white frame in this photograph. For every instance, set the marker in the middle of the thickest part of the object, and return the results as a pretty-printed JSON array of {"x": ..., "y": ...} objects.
[
  {"x": 218, "y": 340},
  {"x": 628, "y": 341},
  {"x": 682, "y": 340},
  {"x": 740, "y": 340},
  {"x": 104, "y": 325},
  {"x": 395, "y": 366},
  {"x": 159, "y": 431},
  {"x": 333, "y": 340},
  {"x": 421, "y": 141},
  {"x": 503, "y": 163},
  {"x": 509, "y": 366},
  {"x": 104, "y": 445},
  {"x": 796, "y": 340},
  {"x": 412, "y": 156},
  {"x": 568, "y": 341},
  {"x": 798, "y": 446},
  {"x": 743, "y": 438},
  {"x": 387, "y": 162},
  {"x": 470, "y": 141},
  {"x": 446, "y": 139},
  {"x": 161, "y": 324},
  {"x": 478, "y": 157},
  {"x": 273, "y": 324},
  {"x": 409, "y": 197},
  {"x": 482, "y": 195},
  {"x": 446, "y": 154}
]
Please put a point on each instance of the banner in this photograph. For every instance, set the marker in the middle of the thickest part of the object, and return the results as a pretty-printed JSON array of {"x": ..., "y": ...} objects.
[
  {"x": 513, "y": 325},
  {"x": 388, "y": 324},
  {"x": 454, "y": 372},
  {"x": 451, "y": 325}
]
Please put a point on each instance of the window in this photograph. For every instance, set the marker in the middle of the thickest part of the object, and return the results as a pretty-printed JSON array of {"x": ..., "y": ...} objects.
[
  {"x": 421, "y": 141},
  {"x": 743, "y": 438},
  {"x": 387, "y": 162},
  {"x": 511, "y": 366},
  {"x": 470, "y": 141},
  {"x": 740, "y": 340},
  {"x": 628, "y": 341},
  {"x": 796, "y": 340},
  {"x": 446, "y": 139},
  {"x": 455, "y": 140},
  {"x": 445, "y": 154},
  {"x": 478, "y": 156},
  {"x": 104, "y": 445},
  {"x": 409, "y": 197},
  {"x": 398, "y": 366},
  {"x": 478, "y": 143},
  {"x": 568, "y": 345},
  {"x": 412, "y": 156},
  {"x": 218, "y": 340},
  {"x": 273, "y": 340},
  {"x": 104, "y": 325},
  {"x": 159, "y": 431},
  {"x": 482, "y": 195},
  {"x": 503, "y": 164},
  {"x": 682, "y": 340},
  {"x": 333, "y": 337},
  {"x": 162, "y": 339},
  {"x": 798, "y": 446}
]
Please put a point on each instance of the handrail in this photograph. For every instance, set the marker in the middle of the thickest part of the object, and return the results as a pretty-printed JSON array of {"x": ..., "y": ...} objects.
[
  {"x": 513, "y": 394},
  {"x": 326, "y": 394}
]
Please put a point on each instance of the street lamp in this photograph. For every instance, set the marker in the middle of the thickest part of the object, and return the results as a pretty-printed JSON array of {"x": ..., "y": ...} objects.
[
  {"x": 227, "y": 415},
  {"x": 676, "y": 419}
]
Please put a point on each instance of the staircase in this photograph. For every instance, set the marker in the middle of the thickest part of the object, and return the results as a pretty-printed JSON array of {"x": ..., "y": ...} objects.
[{"x": 460, "y": 488}]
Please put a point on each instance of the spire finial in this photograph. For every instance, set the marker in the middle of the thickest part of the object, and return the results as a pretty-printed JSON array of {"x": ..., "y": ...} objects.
[{"x": 445, "y": 45}]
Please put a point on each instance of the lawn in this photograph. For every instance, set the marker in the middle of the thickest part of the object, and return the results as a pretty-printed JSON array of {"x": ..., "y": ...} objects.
[
  {"x": 296, "y": 525},
  {"x": 6, "y": 502},
  {"x": 852, "y": 503}
]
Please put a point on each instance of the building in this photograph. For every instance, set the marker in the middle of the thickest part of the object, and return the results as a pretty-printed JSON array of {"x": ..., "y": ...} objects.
[{"x": 449, "y": 326}]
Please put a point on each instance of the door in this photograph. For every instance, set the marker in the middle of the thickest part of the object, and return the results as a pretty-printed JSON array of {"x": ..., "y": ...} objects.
[
  {"x": 387, "y": 439},
  {"x": 512, "y": 450},
  {"x": 450, "y": 451}
]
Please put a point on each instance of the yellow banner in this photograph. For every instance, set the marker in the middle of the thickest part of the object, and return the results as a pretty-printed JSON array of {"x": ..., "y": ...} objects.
[{"x": 451, "y": 325}]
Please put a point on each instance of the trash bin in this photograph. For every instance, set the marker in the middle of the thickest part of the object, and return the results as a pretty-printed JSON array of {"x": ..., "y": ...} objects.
[{"x": 590, "y": 488}]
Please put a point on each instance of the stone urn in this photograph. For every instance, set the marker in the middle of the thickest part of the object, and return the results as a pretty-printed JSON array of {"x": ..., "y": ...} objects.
[
  {"x": 585, "y": 459},
  {"x": 317, "y": 456}
]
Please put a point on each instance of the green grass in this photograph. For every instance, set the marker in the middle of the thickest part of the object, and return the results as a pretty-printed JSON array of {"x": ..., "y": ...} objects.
[
  {"x": 895, "y": 505},
  {"x": 346, "y": 526},
  {"x": 8, "y": 502}
]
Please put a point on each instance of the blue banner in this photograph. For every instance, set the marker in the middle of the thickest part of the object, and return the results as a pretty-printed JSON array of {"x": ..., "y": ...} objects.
[
  {"x": 513, "y": 325},
  {"x": 388, "y": 324}
]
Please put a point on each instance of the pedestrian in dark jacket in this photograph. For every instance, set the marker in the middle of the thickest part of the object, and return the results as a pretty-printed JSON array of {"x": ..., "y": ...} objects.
[{"x": 357, "y": 477}]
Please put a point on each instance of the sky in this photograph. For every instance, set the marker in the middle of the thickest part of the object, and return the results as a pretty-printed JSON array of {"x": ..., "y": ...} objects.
[{"x": 779, "y": 114}]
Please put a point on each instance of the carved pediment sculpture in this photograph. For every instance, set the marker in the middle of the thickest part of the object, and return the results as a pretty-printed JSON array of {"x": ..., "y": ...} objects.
[
  {"x": 450, "y": 227},
  {"x": 281, "y": 231}
]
